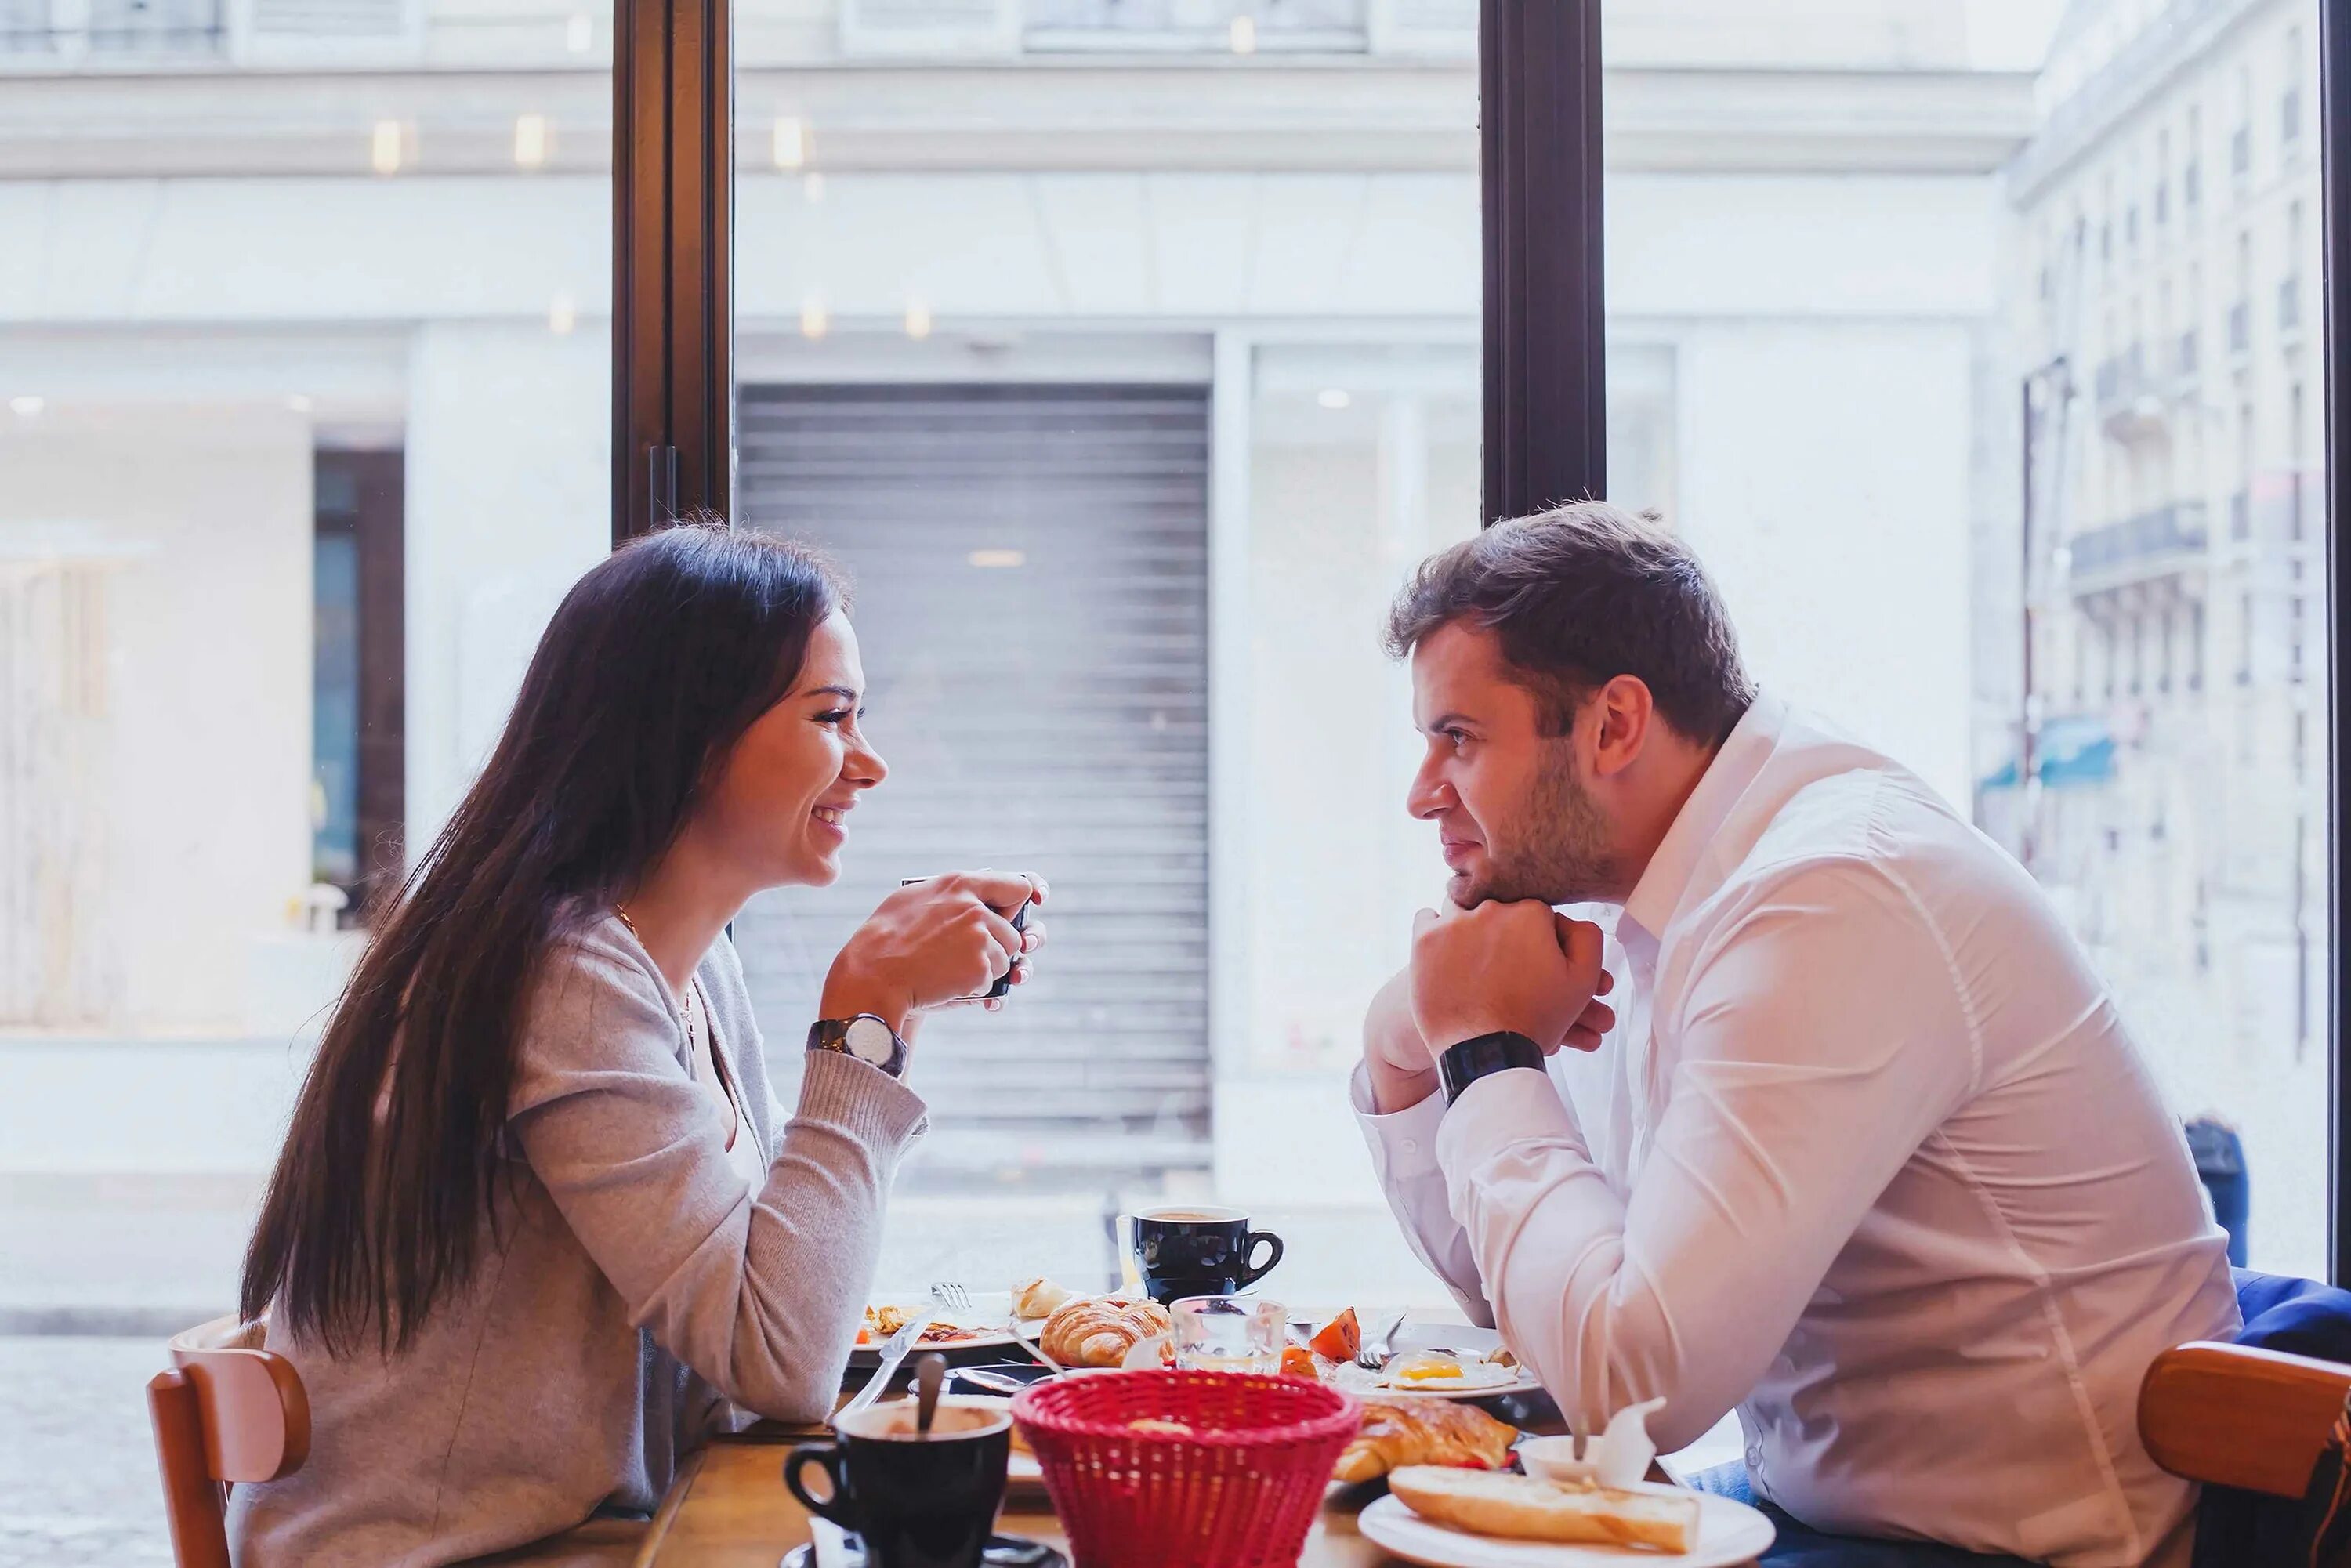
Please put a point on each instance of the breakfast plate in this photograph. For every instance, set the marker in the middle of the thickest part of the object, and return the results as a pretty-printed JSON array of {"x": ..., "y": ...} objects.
[
  {"x": 986, "y": 1324},
  {"x": 1442, "y": 1361},
  {"x": 1729, "y": 1532}
]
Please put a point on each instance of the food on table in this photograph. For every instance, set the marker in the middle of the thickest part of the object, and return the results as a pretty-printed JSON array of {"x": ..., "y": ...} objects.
[
  {"x": 1036, "y": 1298},
  {"x": 1431, "y": 1371},
  {"x": 883, "y": 1321},
  {"x": 1340, "y": 1338},
  {"x": 1161, "y": 1428},
  {"x": 1523, "y": 1508},
  {"x": 1401, "y": 1432},
  {"x": 1098, "y": 1331},
  {"x": 1297, "y": 1361}
]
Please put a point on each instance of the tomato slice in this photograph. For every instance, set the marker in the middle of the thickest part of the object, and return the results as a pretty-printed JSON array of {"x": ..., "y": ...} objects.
[{"x": 1339, "y": 1338}]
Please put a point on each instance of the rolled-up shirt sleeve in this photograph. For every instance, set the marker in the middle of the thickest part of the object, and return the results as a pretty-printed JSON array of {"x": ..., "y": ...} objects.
[
  {"x": 1404, "y": 1155},
  {"x": 1823, "y": 1040}
]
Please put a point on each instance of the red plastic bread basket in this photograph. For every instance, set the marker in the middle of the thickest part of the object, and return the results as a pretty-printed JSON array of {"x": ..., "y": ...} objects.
[{"x": 1236, "y": 1487}]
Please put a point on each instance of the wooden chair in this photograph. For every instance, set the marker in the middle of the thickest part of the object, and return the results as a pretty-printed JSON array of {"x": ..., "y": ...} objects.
[
  {"x": 226, "y": 1411},
  {"x": 2229, "y": 1415}
]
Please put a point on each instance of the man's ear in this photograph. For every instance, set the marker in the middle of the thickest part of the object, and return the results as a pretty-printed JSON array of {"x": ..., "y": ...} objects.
[{"x": 1625, "y": 714}]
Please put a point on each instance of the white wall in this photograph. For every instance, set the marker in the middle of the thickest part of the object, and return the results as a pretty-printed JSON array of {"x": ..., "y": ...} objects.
[
  {"x": 1827, "y": 487},
  {"x": 509, "y": 442},
  {"x": 204, "y": 516}
]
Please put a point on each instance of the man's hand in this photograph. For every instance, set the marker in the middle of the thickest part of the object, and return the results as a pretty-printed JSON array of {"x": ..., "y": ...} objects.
[
  {"x": 1395, "y": 1057},
  {"x": 1520, "y": 968}
]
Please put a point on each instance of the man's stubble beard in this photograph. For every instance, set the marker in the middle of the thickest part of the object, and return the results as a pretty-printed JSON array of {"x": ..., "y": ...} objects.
[{"x": 1554, "y": 849}]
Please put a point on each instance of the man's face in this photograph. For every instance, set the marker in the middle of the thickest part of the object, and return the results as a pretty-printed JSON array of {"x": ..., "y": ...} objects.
[{"x": 1513, "y": 813}]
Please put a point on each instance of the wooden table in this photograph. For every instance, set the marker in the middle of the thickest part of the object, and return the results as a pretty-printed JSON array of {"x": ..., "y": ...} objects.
[{"x": 728, "y": 1508}]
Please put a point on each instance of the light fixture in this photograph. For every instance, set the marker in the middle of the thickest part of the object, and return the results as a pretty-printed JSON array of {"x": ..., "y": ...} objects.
[
  {"x": 27, "y": 406},
  {"x": 790, "y": 141},
  {"x": 918, "y": 319},
  {"x": 530, "y": 141},
  {"x": 562, "y": 315},
  {"x": 997, "y": 558},
  {"x": 1244, "y": 35},
  {"x": 1333, "y": 397},
  {"x": 815, "y": 320},
  {"x": 579, "y": 33},
  {"x": 387, "y": 146},
  {"x": 813, "y": 186},
  {"x": 300, "y": 403}
]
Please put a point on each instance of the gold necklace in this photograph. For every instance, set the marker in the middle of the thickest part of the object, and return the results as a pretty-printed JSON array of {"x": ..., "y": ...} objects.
[{"x": 694, "y": 987}]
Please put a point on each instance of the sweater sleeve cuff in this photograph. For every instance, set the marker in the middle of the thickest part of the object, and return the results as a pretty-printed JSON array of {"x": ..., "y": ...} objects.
[{"x": 860, "y": 1099}]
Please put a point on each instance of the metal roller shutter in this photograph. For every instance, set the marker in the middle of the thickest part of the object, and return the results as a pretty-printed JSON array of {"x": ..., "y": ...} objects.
[{"x": 1029, "y": 571}]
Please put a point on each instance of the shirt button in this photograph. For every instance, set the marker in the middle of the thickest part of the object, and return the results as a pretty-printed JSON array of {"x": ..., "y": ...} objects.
[
  {"x": 1754, "y": 1454},
  {"x": 1412, "y": 1145}
]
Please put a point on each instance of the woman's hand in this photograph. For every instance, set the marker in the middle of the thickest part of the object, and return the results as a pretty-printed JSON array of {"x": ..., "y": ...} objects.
[{"x": 934, "y": 943}]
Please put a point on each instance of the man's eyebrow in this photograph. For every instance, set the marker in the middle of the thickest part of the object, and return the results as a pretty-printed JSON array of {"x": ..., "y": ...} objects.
[{"x": 1444, "y": 721}]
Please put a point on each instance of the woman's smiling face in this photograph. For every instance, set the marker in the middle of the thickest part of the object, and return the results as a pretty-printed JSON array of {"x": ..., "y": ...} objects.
[{"x": 781, "y": 804}]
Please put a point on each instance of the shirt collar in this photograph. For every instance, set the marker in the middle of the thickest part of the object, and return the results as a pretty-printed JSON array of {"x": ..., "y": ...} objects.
[{"x": 1667, "y": 876}]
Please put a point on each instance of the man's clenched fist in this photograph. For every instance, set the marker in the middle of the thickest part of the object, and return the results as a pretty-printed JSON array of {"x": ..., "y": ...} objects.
[{"x": 1520, "y": 968}]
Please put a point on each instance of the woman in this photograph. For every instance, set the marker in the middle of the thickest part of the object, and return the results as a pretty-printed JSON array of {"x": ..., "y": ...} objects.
[{"x": 539, "y": 1227}]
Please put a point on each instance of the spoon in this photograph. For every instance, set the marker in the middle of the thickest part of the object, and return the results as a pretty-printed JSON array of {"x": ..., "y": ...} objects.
[{"x": 929, "y": 1373}]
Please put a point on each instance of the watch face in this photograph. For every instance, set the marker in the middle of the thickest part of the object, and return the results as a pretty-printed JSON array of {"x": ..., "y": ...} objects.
[{"x": 870, "y": 1040}]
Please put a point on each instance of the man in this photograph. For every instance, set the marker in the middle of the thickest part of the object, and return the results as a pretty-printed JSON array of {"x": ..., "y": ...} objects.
[{"x": 1860, "y": 1145}]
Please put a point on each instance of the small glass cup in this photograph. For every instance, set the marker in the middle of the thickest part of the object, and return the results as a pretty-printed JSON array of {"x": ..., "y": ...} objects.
[{"x": 1229, "y": 1333}]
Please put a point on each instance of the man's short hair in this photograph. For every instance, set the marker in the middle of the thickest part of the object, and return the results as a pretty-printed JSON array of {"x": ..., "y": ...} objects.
[{"x": 1579, "y": 595}]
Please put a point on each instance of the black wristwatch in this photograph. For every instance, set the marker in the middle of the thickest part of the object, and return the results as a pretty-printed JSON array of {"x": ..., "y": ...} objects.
[
  {"x": 867, "y": 1038},
  {"x": 1462, "y": 1065}
]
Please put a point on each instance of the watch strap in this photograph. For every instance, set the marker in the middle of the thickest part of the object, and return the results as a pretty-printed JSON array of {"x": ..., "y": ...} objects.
[{"x": 1461, "y": 1065}]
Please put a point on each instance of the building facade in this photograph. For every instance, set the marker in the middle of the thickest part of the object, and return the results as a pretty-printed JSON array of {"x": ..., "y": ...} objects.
[{"x": 2165, "y": 299}]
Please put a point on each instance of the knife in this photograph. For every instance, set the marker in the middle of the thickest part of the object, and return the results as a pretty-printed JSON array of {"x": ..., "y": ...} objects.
[{"x": 893, "y": 1352}]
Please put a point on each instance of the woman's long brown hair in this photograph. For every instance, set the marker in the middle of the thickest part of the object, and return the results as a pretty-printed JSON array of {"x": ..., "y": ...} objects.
[{"x": 655, "y": 663}]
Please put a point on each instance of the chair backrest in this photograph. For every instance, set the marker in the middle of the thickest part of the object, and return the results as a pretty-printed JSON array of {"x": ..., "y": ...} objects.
[
  {"x": 2229, "y": 1415},
  {"x": 226, "y": 1411}
]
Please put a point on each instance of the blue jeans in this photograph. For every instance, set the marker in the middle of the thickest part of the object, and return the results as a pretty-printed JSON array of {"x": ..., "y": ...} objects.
[{"x": 1799, "y": 1547}]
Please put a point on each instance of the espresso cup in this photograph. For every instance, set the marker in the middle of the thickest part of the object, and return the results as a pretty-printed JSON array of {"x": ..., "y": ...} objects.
[
  {"x": 1187, "y": 1250},
  {"x": 916, "y": 1500}
]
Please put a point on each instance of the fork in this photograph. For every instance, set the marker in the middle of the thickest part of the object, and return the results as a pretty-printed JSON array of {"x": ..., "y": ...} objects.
[
  {"x": 952, "y": 1296},
  {"x": 1373, "y": 1356}
]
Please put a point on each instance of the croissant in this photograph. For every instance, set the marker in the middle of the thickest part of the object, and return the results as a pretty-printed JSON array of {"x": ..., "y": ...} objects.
[
  {"x": 1036, "y": 1298},
  {"x": 1098, "y": 1331},
  {"x": 1400, "y": 1432}
]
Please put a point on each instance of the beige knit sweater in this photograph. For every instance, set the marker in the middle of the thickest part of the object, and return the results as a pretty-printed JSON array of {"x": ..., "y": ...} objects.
[{"x": 641, "y": 1288}]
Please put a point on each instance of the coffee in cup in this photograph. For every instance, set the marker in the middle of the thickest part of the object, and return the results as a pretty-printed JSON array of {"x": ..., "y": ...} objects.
[
  {"x": 916, "y": 1500},
  {"x": 1190, "y": 1250}
]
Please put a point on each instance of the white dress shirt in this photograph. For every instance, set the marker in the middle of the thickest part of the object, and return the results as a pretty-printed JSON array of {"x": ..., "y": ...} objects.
[{"x": 1869, "y": 1155}]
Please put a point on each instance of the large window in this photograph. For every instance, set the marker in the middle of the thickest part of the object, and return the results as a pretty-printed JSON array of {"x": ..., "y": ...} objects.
[
  {"x": 304, "y": 424},
  {"x": 1126, "y": 356},
  {"x": 1989, "y": 477}
]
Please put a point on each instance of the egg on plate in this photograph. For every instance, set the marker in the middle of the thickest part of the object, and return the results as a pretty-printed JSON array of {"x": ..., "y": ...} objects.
[{"x": 1442, "y": 1370}]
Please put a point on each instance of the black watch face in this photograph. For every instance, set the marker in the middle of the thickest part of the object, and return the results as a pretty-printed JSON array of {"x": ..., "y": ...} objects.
[{"x": 870, "y": 1040}]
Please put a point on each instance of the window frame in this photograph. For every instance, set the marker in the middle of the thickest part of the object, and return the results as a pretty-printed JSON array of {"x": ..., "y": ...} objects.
[
  {"x": 1544, "y": 333},
  {"x": 2334, "y": 125}
]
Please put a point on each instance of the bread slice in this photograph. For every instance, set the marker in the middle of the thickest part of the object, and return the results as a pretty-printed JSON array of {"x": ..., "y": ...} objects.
[{"x": 1527, "y": 1508}]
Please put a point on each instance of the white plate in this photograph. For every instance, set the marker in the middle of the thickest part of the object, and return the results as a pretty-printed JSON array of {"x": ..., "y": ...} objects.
[
  {"x": 1465, "y": 1338},
  {"x": 990, "y": 1316},
  {"x": 1728, "y": 1534}
]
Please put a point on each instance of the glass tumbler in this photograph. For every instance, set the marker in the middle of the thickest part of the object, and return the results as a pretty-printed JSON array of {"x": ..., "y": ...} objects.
[{"x": 1229, "y": 1333}]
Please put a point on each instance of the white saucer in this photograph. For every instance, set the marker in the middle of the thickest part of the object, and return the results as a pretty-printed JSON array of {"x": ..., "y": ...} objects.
[{"x": 1728, "y": 1534}]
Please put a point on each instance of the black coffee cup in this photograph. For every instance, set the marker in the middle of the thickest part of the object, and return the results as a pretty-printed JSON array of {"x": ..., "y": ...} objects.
[
  {"x": 917, "y": 1500},
  {"x": 1185, "y": 1250}
]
